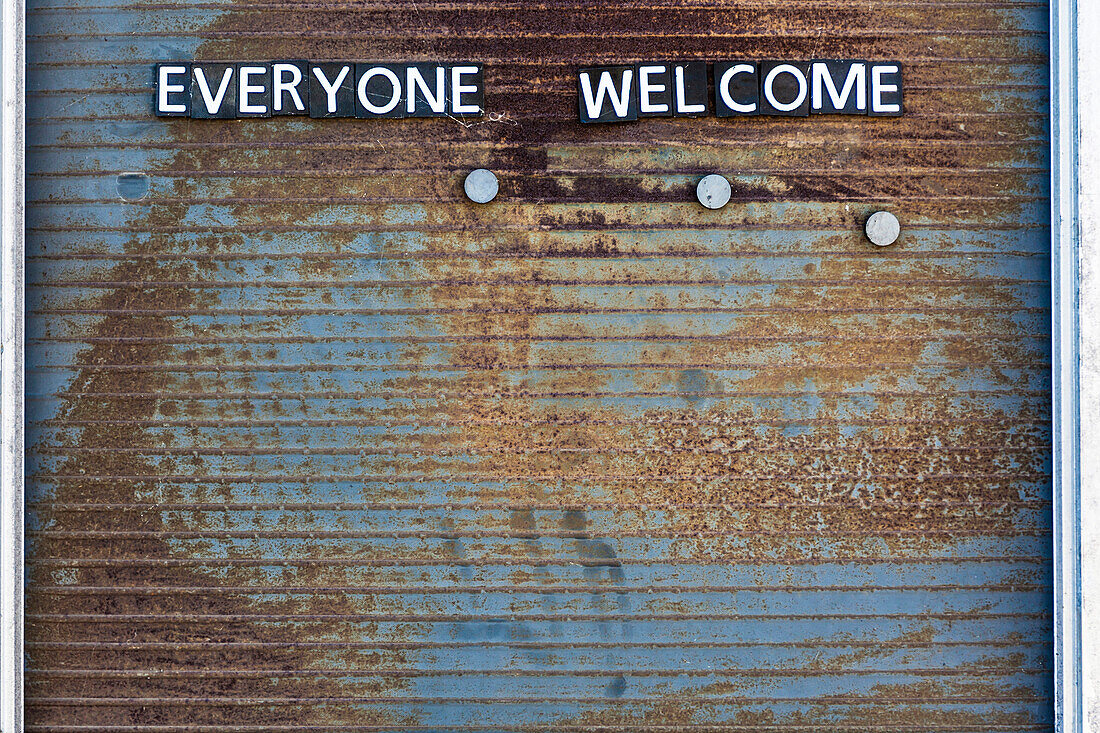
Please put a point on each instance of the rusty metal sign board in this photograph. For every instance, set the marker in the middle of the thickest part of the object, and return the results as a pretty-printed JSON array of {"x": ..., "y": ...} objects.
[{"x": 320, "y": 439}]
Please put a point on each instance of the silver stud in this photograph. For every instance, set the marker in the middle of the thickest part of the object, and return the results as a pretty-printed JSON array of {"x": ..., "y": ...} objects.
[
  {"x": 132, "y": 186},
  {"x": 481, "y": 186},
  {"x": 713, "y": 191},
  {"x": 883, "y": 228}
]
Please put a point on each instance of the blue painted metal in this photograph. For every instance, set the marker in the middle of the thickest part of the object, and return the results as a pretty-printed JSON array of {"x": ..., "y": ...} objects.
[{"x": 317, "y": 444}]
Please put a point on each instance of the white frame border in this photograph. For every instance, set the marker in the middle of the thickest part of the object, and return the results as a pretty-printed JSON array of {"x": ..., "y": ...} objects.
[
  {"x": 1064, "y": 130},
  {"x": 1075, "y": 194},
  {"x": 1075, "y": 280},
  {"x": 12, "y": 199}
]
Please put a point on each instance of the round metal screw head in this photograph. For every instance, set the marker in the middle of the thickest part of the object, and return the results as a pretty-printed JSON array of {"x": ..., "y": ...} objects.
[
  {"x": 481, "y": 186},
  {"x": 883, "y": 228},
  {"x": 713, "y": 191}
]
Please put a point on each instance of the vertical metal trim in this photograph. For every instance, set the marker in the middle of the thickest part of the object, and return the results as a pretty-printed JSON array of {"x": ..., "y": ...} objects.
[
  {"x": 1066, "y": 381},
  {"x": 12, "y": 155},
  {"x": 1087, "y": 230}
]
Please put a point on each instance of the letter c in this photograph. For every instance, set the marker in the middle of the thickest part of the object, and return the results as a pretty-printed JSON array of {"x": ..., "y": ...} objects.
[{"x": 724, "y": 88}]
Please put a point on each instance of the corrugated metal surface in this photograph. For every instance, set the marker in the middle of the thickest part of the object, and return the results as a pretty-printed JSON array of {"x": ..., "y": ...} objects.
[{"x": 318, "y": 445}]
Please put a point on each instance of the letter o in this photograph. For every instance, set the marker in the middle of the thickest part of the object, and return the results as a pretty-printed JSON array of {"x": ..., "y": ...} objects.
[
  {"x": 803, "y": 87},
  {"x": 394, "y": 101}
]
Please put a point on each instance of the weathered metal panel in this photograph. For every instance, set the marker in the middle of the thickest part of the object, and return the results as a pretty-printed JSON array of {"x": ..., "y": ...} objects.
[{"x": 317, "y": 444}]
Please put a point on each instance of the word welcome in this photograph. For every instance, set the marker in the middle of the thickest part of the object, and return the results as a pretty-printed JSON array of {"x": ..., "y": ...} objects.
[
  {"x": 784, "y": 88},
  {"x": 230, "y": 91}
]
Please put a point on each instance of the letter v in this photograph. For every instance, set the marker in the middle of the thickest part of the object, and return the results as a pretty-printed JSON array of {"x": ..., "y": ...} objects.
[{"x": 213, "y": 104}]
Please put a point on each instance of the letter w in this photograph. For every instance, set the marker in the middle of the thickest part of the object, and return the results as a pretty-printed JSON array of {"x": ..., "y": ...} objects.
[{"x": 606, "y": 87}]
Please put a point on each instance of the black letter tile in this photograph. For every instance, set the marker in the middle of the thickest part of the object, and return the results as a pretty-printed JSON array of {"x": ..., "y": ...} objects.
[
  {"x": 827, "y": 77},
  {"x": 884, "y": 94},
  {"x": 689, "y": 87},
  {"x": 790, "y": 85},
  {"x": 466, "y": 89},
  {"x": 607, "y": 94},
  {"x": 172, "y": 98},
  {"x": 259, "y": 98},
  {"x": 737, "y": 82},
  {"x": 343, "y": 96},
  {"x": 213, "y": 91},
  {"x": 283, "y": 83},
  {"x": 384, "y": 89},
  {"x": 659, "y": 84}
]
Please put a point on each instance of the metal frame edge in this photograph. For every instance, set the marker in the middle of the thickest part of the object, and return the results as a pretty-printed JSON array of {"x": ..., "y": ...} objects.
[
  {"x": 12, "y": 221},
  {"x": 1065, "y": 313}
]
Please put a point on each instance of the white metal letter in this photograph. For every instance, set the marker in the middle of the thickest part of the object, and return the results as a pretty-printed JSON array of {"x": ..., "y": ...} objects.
[
  {"x": 645, "y": 88},
  {"x": 769, "y": 84},
  {"x": 856, "y": 79},
  {"x": 165, "y": 87},
  {"x": 213, "y": 103},
  {"x": 395, "y": 96},
  {"x": 724, "y": 88},
  {"x": 331, "y": 87},
  {"x": 877, "y": 88},
  {"x": 458, "y": 89},
  {"x": 278, "y": 86},
  {"x": 681, "y": 96},
  {"x": 606, "y": 87},
  {"x": 245, "y": 88},
  {"x": 414, "y": 79}
]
